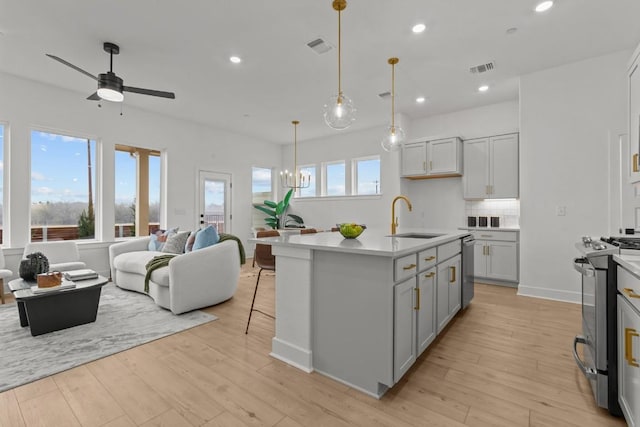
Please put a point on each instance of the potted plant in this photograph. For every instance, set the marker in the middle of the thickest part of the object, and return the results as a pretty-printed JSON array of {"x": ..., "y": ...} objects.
[{"x": 277, "y": 216}]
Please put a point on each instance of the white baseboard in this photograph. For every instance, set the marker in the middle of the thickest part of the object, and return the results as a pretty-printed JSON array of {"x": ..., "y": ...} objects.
[{"x": 551, "y": 294}]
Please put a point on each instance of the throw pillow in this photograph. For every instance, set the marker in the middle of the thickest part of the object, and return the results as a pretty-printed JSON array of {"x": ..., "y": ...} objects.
[
  {"x": 159, "y": 238},
  {"x": 175, "y": 243},
  {"x": 206, "y": 237},
  {"x": 188, "y": 247}
]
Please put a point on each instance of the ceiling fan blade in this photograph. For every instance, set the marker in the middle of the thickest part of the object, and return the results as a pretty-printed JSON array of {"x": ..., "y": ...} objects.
[
  {"x": 151, "y": 92},
  {"x": 93, "y": 97},
  {"x": 68, "y": 64}
]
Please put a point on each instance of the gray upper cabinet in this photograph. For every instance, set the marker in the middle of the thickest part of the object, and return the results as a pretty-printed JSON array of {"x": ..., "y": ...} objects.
[
  {"x": 432, "y": 159},
  {"x": 491, "y": 167}
]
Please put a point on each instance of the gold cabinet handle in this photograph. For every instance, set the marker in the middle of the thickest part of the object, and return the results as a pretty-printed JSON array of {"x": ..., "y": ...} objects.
[
  {"x": 430, "y": 165},
  {"x": 409, "y": 267},
  {"x": 417, "y": 307},
  {"x": 630, "y": 293},
  {"x": 486, "y": 189},
  {"x": 486, "y": 235},
  {"x": 424, "y": 166},
  {"x": 429, "y": 275},
  {"x": 629, "y": 333},
  {"x": 453, "y": 274},
  {"x": 430, "y": 258},
  {"x": 635, "y": 163}
]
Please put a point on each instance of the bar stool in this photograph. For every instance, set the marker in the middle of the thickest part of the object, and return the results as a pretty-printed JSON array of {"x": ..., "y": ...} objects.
[
  {"x": 266, "y": 261},
  {"x": 308, "y": 230}
]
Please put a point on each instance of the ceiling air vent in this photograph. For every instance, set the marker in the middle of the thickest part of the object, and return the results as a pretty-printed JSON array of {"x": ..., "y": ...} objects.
[
  {"x": 384, "y": 95},
  {"x": 319, "y": 46},
  {"x": 482, "y": 68}
]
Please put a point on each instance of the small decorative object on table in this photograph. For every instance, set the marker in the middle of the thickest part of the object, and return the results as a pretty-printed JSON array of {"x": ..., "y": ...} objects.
[
  {"x": 35, "y": 263},
  {"x": 350, "y": 230},
  {"x": 49, "y": 280}
]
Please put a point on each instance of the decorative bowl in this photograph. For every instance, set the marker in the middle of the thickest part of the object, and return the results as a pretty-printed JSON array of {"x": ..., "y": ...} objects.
[{"x": 350, "y": 230}]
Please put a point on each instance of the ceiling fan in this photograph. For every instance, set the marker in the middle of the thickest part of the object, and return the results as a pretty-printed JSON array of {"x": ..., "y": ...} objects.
[{"x": 110, "y": 86}]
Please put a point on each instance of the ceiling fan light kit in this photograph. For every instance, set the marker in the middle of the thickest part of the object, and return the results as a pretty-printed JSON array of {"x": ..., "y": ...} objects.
[
  {"x": 339, "y": 112},
  {"x": 110, "y": 86}
]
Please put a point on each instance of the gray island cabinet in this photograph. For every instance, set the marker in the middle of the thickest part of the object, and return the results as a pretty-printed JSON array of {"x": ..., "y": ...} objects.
[{"x": 362, "y": 310}]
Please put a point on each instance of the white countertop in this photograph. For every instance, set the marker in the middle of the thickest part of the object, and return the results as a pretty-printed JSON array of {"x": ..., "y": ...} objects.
[
  {"x": 370, "y": 242},
  {"x": 490, "y": 228},
  {"x": 629, "y": 262}
]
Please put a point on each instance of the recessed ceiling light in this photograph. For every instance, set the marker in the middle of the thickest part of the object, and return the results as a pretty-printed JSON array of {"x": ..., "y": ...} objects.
[
  {"x": 543, "y": 6},
  {"x": 235, "y": 59},
  {"x": 420, "y": 99},
  {"x": 483, "y": 88},
  {"x": 418, "y": 28}
]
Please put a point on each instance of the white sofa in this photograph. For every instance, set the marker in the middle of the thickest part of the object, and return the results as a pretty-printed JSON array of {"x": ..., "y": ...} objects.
[
  {"x": 193, "y": 280},
  {"x": 63, "y": 255}
]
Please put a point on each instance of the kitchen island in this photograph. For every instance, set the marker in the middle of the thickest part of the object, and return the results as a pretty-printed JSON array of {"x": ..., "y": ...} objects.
[{"x": 362, "y": 310}]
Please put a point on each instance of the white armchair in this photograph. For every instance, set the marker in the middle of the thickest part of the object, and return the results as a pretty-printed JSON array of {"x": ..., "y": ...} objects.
[
  {"x": 4, "y": 274},
  {"x": 193, "y": 280},
  {"x": 63, "y": 255}
]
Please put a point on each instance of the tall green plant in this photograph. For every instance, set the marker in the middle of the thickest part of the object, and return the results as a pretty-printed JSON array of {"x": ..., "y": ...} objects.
[{"x": 276, "y": 213}]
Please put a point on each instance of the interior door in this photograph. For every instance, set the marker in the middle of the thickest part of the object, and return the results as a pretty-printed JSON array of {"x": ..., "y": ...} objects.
[{"x": 214, "y": 200}]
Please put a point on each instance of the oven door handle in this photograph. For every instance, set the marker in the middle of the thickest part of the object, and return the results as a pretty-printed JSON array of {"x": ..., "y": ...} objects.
[
  {"x": 579, "y": 266},
  {"x": 590, "y": 373}
]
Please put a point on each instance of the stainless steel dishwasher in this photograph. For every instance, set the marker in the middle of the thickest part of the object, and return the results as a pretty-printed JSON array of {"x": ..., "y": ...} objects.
[{"x": 467, "y": 270}]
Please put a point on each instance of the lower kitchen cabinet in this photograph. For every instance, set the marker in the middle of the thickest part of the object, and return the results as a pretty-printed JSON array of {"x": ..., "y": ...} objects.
[
  {"x": 414, "y": 319},
  {"x": 449, "y": 291},
  {"x": 629, "y": 361},
  {"x": 496, "y": 256}
]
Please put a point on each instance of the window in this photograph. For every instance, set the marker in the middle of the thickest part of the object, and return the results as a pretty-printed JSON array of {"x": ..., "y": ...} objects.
[
  {"x": 335, "y": 179},
  {"x": 366, "y": 175},
  {"x": 128, "y": 190},
  {"x": 62, "y": 187},
  {"x": 1, "y": 181},
  {"x": 311, "y": 190},
  {"x": 262, "y": 189}
]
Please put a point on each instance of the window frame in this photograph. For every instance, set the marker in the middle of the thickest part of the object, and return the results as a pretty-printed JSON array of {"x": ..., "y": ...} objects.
[
  {"x": 97, "y": 178},
  {"x": 298, "y": 193},
  {"x": 354, "y": 174},
  {"x": 325, "y": 178}
]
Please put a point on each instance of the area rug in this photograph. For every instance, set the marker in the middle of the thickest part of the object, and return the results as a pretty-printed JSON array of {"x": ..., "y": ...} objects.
[{"x": 125, "y": 320}]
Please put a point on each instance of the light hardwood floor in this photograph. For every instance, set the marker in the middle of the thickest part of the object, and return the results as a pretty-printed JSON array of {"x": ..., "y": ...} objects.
[{"x": 505, "y": 361}]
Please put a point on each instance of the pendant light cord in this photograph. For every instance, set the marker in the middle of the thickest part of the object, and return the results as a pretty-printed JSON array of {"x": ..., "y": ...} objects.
[
  {"x": 393, "y": 97},
  {"x": 339, "y": 56}
]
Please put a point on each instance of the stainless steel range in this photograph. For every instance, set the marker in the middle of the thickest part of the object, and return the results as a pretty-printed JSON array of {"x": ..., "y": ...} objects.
[{"x": 599, "y": 337}]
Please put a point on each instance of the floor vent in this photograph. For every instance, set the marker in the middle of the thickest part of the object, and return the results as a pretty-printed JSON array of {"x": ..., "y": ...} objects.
[
  {"x": 319, "y": 46},
  {"x": 482, "y": 68}
]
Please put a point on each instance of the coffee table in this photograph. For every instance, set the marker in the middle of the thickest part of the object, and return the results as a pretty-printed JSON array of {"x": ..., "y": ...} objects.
[{"x": 57, "y": 309}]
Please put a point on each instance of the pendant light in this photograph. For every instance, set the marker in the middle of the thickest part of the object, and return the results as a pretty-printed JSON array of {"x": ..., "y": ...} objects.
[
  {"x": 295, "y": 179},
  {"x": 339, "y": 112},
  {"x": 394, "y": 136}
]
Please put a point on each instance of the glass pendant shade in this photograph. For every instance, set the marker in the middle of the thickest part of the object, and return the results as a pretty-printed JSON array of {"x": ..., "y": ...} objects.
[
  {"x": 339, "y": 112},
  {"x": 393, "y": 138}
]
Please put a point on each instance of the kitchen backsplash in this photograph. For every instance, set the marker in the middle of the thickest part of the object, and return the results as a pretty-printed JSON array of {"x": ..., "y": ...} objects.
[{"x": 507, "y": 210}]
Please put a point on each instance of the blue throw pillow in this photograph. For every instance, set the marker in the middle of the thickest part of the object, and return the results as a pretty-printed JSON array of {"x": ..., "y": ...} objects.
[
  {"x": 153, "y": 242},
  {"x": 206, "y": 237}
]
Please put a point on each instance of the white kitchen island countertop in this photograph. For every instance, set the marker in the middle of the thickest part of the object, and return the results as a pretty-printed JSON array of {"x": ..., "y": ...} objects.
[{"x": 375, "y": 242}]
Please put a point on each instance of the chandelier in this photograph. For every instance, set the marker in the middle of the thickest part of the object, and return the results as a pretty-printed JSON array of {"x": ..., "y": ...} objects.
[{"x": 295, "y": 179}]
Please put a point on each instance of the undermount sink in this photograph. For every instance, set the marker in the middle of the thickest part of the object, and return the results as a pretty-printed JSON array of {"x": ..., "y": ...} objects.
[{"x": 417, "y": 235}]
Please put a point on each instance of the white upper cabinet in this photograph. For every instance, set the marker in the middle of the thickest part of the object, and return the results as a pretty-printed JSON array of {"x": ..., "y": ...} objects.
[
  {"x": 634, "y": 117},
  {"x": 431, "y": 159},
  {"x": 414, "y": 159},
  {"x": 444, "y": 157},
  {"x": 491, "y": 167}
]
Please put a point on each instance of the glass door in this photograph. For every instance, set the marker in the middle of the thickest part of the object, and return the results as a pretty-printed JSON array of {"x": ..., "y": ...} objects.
[{"x": 214, "y": 200}]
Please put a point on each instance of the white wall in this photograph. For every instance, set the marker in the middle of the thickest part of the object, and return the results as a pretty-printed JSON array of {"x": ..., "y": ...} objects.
[
  {"x": 374, "y": 211},
  {"x": 566, "y": 117},
  {"x": 189, "y": 147},
  {"x": 438, "y": 203}
]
